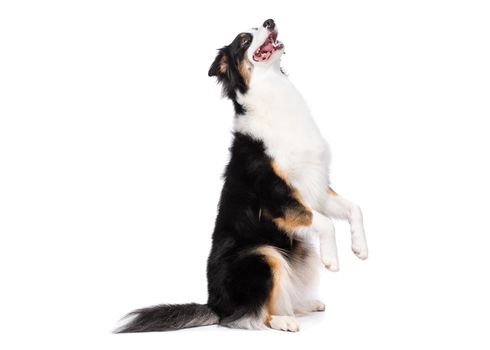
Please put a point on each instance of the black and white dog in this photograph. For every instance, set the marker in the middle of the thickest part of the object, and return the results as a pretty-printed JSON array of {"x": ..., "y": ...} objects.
[{"x": 275, "y": 200}]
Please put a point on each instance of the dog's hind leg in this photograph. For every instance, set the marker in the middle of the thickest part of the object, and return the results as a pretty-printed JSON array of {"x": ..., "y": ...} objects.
[{"x": 279, "y": 306}]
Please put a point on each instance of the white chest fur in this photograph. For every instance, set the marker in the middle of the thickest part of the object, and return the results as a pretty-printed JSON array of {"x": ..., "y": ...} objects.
[{"x": 278, "y": 116}]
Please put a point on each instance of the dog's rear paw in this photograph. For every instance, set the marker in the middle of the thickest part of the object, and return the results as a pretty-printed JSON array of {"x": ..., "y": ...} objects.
[
  {"x": 317, "y": 306},
  {"x": 284, "y": 323}
]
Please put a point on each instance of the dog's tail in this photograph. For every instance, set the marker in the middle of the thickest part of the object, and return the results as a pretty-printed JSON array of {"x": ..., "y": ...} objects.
[{"x": 168, "y": 318}]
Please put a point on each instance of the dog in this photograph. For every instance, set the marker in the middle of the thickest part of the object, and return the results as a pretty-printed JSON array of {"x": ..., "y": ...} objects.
[{"x": 275, "y": 203}]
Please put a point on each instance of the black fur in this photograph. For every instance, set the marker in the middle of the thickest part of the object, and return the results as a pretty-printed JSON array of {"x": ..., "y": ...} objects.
[
  {"x": 239, "y": 279},
  {"x": 239, "y": 283},
  {"x": 169, "y": 318},
  {"x": 226, "y": 68}
]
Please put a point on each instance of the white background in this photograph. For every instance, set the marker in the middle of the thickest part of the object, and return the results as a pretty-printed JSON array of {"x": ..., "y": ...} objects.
[{"x": 113, "y": 140}]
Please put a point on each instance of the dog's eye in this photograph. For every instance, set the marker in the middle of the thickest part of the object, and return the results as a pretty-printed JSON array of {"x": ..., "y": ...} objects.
[{"x": 245, "y": 39}]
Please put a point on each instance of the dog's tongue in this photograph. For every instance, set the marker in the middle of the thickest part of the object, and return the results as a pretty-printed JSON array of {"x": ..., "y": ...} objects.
[{"x": 267, "y": 47}]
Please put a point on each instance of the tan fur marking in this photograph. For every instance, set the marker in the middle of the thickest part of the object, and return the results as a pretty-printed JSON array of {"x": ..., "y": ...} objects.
[
  {"x": 332, "y": 192},
  {"x": 268, "y": 320},
  {"x": 271, "y": 256},
  {"x": 223, "y": 65},
  {"x": 279, "y": 172},
  {"x": 282, "y": 174},
  {"x": 245, "y": 69},
  {"x": 293, "y": 217}
]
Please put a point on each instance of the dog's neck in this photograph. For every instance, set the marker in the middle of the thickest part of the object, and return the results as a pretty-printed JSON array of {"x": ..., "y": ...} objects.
[
  {"x": 275, "y": 110},
  {"x": 270, "y": 94}
]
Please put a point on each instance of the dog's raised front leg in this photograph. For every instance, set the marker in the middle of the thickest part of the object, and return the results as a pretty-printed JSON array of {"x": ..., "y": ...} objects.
[
  {"x": 338, "y": 207},
  {"x": 324, "y": 228}
]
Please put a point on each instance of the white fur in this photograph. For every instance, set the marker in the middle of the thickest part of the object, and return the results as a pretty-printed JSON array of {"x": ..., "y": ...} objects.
[
  {"x": 277, "y": 115},
  {"x": 250, "y": 322},
  {"x": 284, "y": 323},
  {"x": 297, "y": 282},
  {"x": 340, "y": 208},
  {"x": 316, "y": 306},
  {"x": 325, "y": 229}
]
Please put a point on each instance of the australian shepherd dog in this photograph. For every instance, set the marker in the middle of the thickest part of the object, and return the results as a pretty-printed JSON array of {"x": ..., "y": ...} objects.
[{"x": 276, "y": 206}]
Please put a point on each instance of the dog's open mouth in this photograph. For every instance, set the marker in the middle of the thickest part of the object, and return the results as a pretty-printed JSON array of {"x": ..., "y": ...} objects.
[{"x": 271, "y": 45}]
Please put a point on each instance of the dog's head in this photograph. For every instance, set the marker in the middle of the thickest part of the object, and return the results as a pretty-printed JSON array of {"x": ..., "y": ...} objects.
[{"x": 236, "y": 63}]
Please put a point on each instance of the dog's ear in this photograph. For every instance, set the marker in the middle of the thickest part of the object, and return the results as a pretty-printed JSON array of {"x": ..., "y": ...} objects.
[{"x": 220, "y": 65}]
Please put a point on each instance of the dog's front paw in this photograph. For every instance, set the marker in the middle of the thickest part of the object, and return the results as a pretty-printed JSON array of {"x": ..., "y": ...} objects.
[
  {"x": 359, "y": 245},
  {"x": 331, "y": 262}
]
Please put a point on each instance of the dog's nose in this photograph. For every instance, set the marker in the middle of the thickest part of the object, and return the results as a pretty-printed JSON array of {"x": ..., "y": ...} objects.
[{"x": 269, "y": 24}]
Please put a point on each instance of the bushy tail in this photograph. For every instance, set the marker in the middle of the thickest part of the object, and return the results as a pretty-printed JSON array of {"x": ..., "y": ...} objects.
[{"x": 168, "y": 318}]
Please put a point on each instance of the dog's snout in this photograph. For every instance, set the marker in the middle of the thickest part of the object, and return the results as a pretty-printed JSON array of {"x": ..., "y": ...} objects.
[{"x": 269, "y": 24}]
